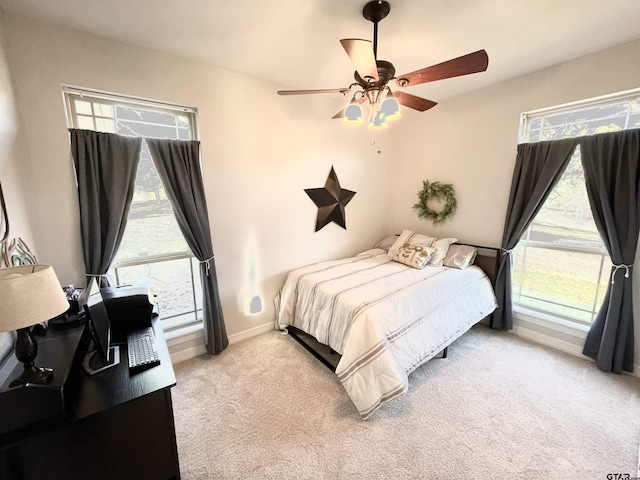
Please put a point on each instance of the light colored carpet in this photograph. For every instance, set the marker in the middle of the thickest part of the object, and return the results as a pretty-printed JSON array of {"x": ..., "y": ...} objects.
[{"x": 497, "y": 407}]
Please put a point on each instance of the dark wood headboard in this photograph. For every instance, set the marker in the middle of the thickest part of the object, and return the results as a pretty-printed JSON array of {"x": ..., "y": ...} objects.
[{"x": 487, "y": 260}]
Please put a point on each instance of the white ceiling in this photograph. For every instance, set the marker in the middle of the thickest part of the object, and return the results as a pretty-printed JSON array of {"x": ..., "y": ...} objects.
[{"x": 295, "y": 43}]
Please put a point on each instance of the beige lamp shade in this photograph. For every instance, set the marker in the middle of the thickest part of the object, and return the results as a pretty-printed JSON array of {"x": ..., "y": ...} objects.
[{"x": 29, "y": 294}]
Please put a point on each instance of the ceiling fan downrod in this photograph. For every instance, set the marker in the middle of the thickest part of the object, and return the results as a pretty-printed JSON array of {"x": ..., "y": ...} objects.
[{"x": 375, "y": 11}]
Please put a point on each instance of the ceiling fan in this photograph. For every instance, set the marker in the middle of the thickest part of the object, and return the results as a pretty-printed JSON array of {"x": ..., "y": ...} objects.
[{"x": 373, "y": 76}]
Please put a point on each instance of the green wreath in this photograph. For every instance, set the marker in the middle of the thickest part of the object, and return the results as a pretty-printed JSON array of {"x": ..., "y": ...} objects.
[{"x": 437, "y": 191}]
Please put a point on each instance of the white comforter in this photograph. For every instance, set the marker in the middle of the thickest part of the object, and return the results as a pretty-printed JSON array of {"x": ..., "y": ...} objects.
[{"x": 385, "y": 318}]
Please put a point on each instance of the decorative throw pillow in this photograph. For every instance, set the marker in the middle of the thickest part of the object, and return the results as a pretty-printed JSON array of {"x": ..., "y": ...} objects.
[
  {"x": 441, "y": 245},
  {"x": 460, "y": 256},
  {"x": 413, "y": 255},
  {"x": 400, "y": 241}
]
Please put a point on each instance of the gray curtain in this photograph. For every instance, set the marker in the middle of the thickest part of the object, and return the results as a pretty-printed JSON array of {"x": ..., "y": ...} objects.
[
  {"x": 610, "y": 162},
  {"x": 178, "y": 164},
  {"x": 105, "y": 165},
  {"x": 538, "y": 168}
]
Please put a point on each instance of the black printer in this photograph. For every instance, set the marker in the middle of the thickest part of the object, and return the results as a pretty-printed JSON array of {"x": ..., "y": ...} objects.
[{"x": 129, "y": 308}]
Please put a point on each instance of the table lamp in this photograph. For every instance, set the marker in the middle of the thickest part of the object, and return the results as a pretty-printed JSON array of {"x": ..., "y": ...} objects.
[{"x": 29, "y": 294}]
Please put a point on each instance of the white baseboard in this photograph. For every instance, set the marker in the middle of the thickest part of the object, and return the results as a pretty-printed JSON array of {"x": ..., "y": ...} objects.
[
  {"x": 252, "y": 332},
  {"x": 548, "y": 341},
  {"x": 561, "y": 345},
  {"x": 189, "y": 343}
]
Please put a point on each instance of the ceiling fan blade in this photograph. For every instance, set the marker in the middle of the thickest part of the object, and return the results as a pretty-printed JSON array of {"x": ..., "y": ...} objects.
[
  {"x": 340, "y": 114},
  {"x": 361, "y": 54},
  {"x": 305, "y": 92},
  {"x": 471, "y": 63},
  {"x": 411, "y": 101}
]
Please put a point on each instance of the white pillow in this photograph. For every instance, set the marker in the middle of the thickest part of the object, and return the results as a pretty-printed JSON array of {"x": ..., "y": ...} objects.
[
  {"x": 460, "y": 256},
  {"x": 386, "y": 242},
  {"x": 441, "y": 245},
  {"x": 400, "y": 240}
]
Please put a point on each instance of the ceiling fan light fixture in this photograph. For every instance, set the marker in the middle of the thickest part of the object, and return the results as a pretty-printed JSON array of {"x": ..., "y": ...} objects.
[
  {"x": 353, "y": 115},
  {"x": 379, "y": 121},
  {"x": 390, "y": 108}
]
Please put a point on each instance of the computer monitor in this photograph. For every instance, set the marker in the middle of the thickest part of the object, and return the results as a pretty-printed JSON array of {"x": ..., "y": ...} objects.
[
  {"x": 91, "y": 289},
  {"x": 104, "y": 355}
]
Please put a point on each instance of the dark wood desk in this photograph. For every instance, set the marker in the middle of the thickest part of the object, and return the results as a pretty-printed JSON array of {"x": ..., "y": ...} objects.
[{"x": 114, "y": 425}]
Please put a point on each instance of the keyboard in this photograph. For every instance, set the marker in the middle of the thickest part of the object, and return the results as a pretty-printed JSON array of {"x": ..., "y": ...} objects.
[{"x": 142, "y": 352}]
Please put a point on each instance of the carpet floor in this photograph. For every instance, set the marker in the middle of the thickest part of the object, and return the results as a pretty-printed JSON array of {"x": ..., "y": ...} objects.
[{"x": 497, "y": 407}]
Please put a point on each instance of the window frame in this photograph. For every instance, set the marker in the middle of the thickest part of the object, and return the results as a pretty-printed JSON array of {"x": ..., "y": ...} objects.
[
  {"x": 71, "y": 93},
  {"x": 116, "y": 99},
  {"x": 526, "y": 118}
]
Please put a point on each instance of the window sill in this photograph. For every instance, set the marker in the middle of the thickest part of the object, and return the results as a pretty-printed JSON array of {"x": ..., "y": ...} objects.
[
  {"x": 181, "y": 321},
  {"x": 551, "y": 331},
  {"x": 183, "y": 333},
  {"x": 550, "y": 322},
  {"x": 557, "y": 333},
  {"x": 185, "y": 342}
]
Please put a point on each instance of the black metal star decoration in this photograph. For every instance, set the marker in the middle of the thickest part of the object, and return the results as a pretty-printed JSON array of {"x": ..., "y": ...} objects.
[{"x": 330, "y": 201}]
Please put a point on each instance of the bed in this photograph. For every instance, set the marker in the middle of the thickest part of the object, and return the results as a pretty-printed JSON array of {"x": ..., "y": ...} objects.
[{"x": 379, "y": 316}]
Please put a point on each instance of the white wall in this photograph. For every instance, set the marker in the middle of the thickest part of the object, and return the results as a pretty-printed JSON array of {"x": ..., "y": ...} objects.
[
  {"x": 260, "y": 152},
  {"x": 14, "y": 185},
  {"x": 470, "y": 141},
  {"x": 9, "y": 166}
]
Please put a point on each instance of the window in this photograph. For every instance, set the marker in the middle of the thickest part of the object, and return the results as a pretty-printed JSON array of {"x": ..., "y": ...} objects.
[
  {"x": 153, "y": 249},
  {"x": 561, "y": 267}
]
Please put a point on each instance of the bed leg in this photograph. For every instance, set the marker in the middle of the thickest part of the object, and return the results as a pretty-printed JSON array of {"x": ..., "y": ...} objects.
[{"x": 444, "y": 352}]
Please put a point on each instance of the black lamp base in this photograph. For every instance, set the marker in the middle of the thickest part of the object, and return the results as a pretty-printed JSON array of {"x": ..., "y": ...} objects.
[
  {"x": 26, "y": 351},
  {"x": 34, "y": 375}
]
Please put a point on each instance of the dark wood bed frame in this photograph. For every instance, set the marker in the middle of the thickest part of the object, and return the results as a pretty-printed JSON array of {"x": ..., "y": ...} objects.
[{"x": 487, "y": 260}]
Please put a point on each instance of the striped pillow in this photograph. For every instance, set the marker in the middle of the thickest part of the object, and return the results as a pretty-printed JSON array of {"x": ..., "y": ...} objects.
[{"x": 441, "y": 245}]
